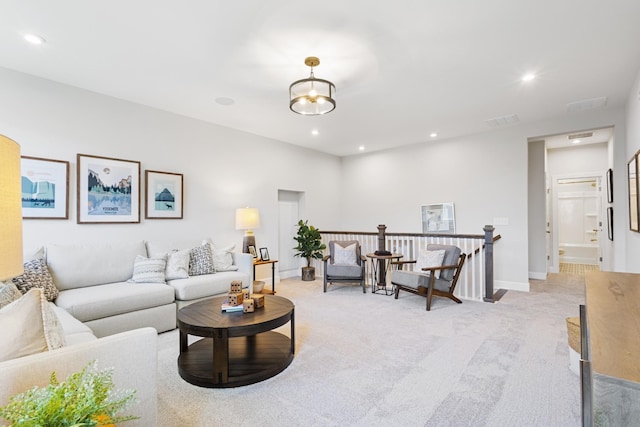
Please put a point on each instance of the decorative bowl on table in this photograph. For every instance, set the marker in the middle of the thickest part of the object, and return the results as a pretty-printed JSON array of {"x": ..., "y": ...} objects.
[{"x": 257, "y": 287}]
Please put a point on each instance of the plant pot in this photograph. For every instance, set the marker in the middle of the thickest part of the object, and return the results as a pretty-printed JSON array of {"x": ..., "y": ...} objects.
[{"x": 308, "y": 273}]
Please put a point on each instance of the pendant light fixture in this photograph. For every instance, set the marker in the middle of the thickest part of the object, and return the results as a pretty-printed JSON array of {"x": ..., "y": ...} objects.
[{"x": 312, "y": 96}]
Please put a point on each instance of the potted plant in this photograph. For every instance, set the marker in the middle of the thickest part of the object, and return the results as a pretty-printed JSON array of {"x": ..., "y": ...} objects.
[
  {"x": 309, "y": 246},
  {"x": 85, "y": 398}
]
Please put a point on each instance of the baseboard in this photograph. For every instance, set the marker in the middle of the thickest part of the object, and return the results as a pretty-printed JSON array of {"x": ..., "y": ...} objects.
[
  {"x": 537, "y": 275},
  {"x": 512, "y": 286},
  {"x": 288, "y": 274}
]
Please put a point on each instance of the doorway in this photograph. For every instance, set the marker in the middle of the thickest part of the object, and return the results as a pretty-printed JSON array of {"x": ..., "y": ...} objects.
[{"x": 290, "y": 206}]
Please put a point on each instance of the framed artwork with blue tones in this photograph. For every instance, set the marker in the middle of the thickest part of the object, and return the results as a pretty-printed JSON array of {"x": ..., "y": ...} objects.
[
  {"x": 163, "y": 192},
  {"x": 45, "y": 188},
  {"x": 108, "y": 190}
]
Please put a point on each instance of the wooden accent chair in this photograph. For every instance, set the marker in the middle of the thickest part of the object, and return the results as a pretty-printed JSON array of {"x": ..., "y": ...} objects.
[
  {"x": 344, "y": 264},
  {"x": 425, "y": 282}
]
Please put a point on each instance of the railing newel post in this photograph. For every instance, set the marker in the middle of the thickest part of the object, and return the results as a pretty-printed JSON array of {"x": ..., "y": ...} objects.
[{"x": 488, "y": 262}]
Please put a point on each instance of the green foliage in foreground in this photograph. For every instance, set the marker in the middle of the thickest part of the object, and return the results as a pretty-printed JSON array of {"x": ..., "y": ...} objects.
[{"x": 85, "y": 398}]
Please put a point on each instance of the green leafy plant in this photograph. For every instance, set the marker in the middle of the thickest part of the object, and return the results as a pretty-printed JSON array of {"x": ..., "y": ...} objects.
[
  {"x": 85, "y": 398},
  {"x": 309, "y": 242}
]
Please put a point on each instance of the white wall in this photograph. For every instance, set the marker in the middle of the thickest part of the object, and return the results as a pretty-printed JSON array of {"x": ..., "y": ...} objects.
[
  {"x": 223, "y": 169},
  {"x": 571, "y": 160},
  {"x": 485, "y": 175},
  {"x": 633, "y": 145}
]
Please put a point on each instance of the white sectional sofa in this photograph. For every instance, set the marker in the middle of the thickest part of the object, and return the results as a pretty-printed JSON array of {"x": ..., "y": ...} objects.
[{"x": 94, "y": 284}]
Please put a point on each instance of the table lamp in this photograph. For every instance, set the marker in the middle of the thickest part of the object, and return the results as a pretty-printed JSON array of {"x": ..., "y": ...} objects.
[
  {"x": 10, "y": 210},
  {"x": 247, "y": 219}
]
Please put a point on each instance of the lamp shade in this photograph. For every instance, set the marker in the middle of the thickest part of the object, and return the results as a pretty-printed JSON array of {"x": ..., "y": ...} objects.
[
  {"x": 10, "y": 209},
  {"x": 247, "y": 218}
]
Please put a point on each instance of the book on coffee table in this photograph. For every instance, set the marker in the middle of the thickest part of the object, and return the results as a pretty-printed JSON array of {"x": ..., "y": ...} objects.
[{"x": 230, "y": 308}]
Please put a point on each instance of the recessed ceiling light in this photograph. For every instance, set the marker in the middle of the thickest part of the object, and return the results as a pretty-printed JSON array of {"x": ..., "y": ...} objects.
[
  {"x": 361, "y": 148},
  {"x": 315, "y": 132},
  {"x": 433, "y": 135},
  {"x": 528, "y": 77},
  {"x": 225, "y": 101},
  {"x": 34, "y": 39},
  {"x": 576, "y": 141}
]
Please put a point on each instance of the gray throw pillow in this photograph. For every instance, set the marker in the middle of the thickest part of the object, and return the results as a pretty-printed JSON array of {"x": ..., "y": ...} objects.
[
  {"x": 36, "y": 275},
  {"x": 201, "y": 260}
]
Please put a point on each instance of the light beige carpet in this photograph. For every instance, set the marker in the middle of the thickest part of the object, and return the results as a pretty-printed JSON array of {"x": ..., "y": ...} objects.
[{"x": 370, "y": 360}]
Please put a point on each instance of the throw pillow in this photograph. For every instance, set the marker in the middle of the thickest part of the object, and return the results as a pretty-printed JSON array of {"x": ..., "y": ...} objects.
[
  {"x": 29, "y": 325},
  {"x": 346, "y": 255},
  {"x": 36, "y": 275},
  {"x": 177, "y": 265},
  {"x": 201, "y": 260},
  {"x": 222, "y": 258},
  {"x": 429, "y": 259},
  {"x": 148, "y": 270},
  {"x": 8, "y": 293}
]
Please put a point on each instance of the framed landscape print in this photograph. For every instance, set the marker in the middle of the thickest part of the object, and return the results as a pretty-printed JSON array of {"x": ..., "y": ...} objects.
[
  {"x": 45, "y": 188},
  {"x": 632, "y": 176},
  {"x": 108, "y": 190},
  {"x": 163, "y": 195},
  {"x": 438, "y": 218}
]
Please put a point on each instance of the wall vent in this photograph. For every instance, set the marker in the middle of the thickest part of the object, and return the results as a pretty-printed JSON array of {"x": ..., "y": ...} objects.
[
  {"x": 580, "y": 135},
  {"x": 503, "y": 120},
  {"x": 587, "y": 104}
]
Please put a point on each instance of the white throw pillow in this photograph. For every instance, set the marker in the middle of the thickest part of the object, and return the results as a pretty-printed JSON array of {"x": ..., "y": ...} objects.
[
  {"x": 222, "y": 258},
  {"x": 149, "y": 270},
  {"x": 346, "y": 255},
  {"x": 429, "y": 259},
  {"x": 8, "y": 293},
  {"x": 177, "y": 265},
  {"x": 29, "y": 325}
]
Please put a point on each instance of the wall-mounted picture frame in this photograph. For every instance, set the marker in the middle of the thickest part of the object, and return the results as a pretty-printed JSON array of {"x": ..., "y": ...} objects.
[
  {"x": 632, "y": 180},
  {"x": 610, "y": 222},
  {"x": 108, "y": 190},
  {"x": 610, "y": 186},
  {"x": 45, "y": 188},
  {"x": 264, "y": 254},
  {"x": 252, "y": 251},
  {"x": 438, "y": 218},
  {"x": 163, "y": 194}
]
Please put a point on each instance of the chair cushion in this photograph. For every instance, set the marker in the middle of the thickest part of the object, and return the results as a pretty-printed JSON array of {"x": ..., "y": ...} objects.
[
  {"x": 451, "y": 256},
  {"x": 413, "y": 279},
  {"x": 428, "y": 258},
  {"x": 343, "y": 244},
  {"x": 346, "y": 271}
]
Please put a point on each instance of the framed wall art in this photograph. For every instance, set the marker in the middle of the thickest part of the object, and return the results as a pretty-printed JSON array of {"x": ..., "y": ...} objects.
[
  {"x": 610, "y": 186},
  {"x": 438, "y": 218},
  {"x": 264, "y": 254},
  {"x": 108, "y": 190},
  {"x": 610, "y": 223},
  {"x": 163, "y": 193},
  {"x": 45, "y": 188}
]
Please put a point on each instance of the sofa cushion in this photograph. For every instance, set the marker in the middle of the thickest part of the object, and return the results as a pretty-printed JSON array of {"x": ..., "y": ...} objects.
[
  {"x": 36, "y": 275},
  {"x": 206, "y": 285},
  {"x": 81, "y": 265},
  {"x": 29, "y": 326},
  {"x": 101, "y": 301},
  {"x": 162, "y": 247},
  {"x": 8, "y": 293},
  {"x": 149, "y": 270},
  {"x": 177, "y": 265},
  {"x": 74, "y": 330},
  {"x": 201, "y": 260}
]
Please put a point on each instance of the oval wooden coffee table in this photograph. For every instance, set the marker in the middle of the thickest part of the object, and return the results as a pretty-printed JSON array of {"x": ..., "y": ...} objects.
[{"x": 238, "y": 348}]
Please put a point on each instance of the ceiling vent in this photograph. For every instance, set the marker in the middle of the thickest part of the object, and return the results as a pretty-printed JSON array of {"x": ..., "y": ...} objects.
[
  {"x": 587, "y": 104},
  {"x": 503, "y": 120},
  {"x": 580, "y": 135}
]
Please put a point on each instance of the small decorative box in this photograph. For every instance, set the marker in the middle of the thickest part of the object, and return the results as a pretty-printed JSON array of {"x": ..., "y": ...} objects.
[
  {"x": 236, "y": 287},
  {"x": 258, "y": 300},
  {"x": 235, "y": 298},
  {"x": 248, "y": 305}
]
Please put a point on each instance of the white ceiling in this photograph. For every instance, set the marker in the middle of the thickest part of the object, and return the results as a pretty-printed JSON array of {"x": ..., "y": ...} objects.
[{"x": 403, "y": 69}]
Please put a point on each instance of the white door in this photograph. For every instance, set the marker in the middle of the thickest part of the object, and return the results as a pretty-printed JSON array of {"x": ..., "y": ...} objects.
[{"x": 289, "y": 214}]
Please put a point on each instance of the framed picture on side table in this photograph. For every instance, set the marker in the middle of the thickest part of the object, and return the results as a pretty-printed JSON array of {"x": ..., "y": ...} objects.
[
  {"x": 108, "y": 190},
  {"x": 45, "y": 188},
  {"x": 163, "y": 194},
  {"x": 252, "y": 251},
  {"x": 264, "y": 254}
]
